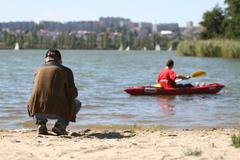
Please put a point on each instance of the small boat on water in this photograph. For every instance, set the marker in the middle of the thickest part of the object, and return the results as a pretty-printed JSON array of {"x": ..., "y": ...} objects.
[
  {"x": 212, "y": 88},
  {"x": 16, "y": 46},
  {"x": 120, "y": 48},
  {"x": 170, "y": 48},
  {"x": 127, "y": 49},
  {"x": 157, "y": 47}
]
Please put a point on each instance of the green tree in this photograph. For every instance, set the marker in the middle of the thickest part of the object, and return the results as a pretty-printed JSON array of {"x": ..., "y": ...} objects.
[
  {"x": 213, "y": 22},
  {"x": 60, "y": 41},
  {"x": 69, "y": 41},
  {"x": 9, "y": 39},
  {"x": 156, "y": 39},
  {"x": 232, "y": 21},
  {"x": 105, "y": 41},
  {"x": 130, "y": 39},
  {"x": 33, "y": 40},
  {"x": 137, "y": 43},
  {"x": 80, "y": 43},
  {"x": 92, "y": 41},
  {"x": 116, "y": 42}
]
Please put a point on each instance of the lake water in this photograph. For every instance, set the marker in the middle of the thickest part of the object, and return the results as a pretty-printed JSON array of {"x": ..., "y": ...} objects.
[{"x": 101, "y": 77}]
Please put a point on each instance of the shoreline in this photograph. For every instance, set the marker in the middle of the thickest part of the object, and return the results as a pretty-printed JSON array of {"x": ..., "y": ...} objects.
[
  {"x": 75, "y": 127},
  {"x": 117, "y": 143}
]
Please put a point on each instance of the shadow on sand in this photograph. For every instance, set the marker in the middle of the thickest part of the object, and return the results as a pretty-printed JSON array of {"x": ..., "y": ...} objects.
[
  {"x": 110, "y": 135},
  {"x": 95, "y": 134}
]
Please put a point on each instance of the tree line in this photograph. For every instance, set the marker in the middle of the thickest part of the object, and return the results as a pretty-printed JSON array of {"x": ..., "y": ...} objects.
[
  {"x": 222, "y": 22},
  {"x": 221, "y": 34},
  {"x": 92, "y": 40}
]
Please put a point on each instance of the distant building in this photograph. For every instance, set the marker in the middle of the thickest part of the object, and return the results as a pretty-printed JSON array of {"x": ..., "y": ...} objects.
[
  {"x": 93, "y": 26},
  {"x": 112, "y": 25},
  {"x": 190, "y": 32},
  {"x": 46, "y": 33},
  {"x": 145, "y": 28},
  {"x": 166, "y": 32},
  {"x": 114, "y": 22},
  {"x": 154, "y": 28},
  {"x": 174, "y": 27},
  {"x": 23, "y": 26},
  {"x": 190, "y": 24}
]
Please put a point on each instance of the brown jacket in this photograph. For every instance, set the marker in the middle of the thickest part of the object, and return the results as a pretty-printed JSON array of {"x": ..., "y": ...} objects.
[{"x": 53, "y": 92}]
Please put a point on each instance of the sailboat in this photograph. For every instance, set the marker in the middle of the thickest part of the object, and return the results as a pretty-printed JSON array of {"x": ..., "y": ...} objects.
[
  {"x": 120, "y": 48},
  {"x": 170, "y": 48},
  {"x": 127, "y": 49},
  {"x": 144, "y": 48},
  {"x": 157, "y": 47},
  {"x": 16, "y": 46}
]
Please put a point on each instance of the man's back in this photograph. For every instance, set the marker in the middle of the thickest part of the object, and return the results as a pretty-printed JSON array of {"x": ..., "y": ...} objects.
[
  {"x": 53, "y": 92},
  {"x": 51, "y": 80},
  {"x": 166, "y": 78}
]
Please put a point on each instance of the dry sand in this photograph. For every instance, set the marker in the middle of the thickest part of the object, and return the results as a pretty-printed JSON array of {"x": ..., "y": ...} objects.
[{"x": 148, "y": 144}]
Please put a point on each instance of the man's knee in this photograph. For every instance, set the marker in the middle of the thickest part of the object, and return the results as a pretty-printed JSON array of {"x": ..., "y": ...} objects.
[{"x": 78, "y": 105}]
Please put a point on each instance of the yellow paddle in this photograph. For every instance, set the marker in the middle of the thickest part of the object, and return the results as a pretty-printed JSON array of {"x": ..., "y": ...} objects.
[
  {"x": 198, "y": 73},
  {"x": 194, "y": 74}
]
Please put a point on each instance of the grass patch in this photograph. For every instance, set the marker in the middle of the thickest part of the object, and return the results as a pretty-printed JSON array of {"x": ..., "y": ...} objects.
[
  {"x": 236, "y": 141},
  {"x": 210, "y": 48},
  {"x": 193, "y": 152}
]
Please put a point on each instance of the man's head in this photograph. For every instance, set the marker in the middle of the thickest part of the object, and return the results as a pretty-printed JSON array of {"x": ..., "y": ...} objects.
[
  {"x": 170, "y": 63},
  {"x": 53, "y": 55}
]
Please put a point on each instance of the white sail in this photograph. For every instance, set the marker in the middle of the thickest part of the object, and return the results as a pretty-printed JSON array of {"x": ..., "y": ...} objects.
[
  {"x": 120, "y": 48},
  {"x": 16, "y": 46},
  {"x": 127, "y": 49},
  {"x": 144, "y": 48},
  {"x": 170, "y": 48},
  {"x": 157, "y": 47}
]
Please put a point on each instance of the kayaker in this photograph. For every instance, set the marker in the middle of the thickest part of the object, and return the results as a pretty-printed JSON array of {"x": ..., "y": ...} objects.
[
  {"x": 166, "y": 77},
  {"x": 53, "y": 95}
]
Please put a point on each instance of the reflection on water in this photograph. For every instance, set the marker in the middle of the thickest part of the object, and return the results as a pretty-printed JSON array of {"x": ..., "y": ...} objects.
[
  {"x": 166, "y": 105},
  {"x": 101, "y": 77}
]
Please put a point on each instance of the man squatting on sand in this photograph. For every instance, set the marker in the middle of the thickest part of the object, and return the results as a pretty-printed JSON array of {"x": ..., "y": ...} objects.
[{"x": 53, "y": 95}]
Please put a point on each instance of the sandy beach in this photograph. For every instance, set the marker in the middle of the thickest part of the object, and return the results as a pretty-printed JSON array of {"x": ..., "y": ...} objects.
[{"x": 163, "y": 144}]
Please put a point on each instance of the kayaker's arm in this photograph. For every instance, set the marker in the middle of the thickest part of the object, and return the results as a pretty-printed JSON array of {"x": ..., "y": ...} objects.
[{"x": 183, "y": 76}]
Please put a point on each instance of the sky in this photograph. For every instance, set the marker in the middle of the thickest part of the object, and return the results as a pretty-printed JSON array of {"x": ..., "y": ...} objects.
[{"x": 154, "y": 11}]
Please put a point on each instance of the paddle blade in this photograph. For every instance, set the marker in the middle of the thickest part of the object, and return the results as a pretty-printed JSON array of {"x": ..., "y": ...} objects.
[
  {"x": 198, "y": 73},
  {"x": 156, "y": 85}
]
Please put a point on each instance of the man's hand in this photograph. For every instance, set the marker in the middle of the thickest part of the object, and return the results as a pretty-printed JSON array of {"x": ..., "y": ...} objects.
[{"x": 188, "y": 77}]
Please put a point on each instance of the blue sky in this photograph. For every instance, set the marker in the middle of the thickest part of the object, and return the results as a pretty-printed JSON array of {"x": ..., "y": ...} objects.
[{"x": 155, "y": 11}]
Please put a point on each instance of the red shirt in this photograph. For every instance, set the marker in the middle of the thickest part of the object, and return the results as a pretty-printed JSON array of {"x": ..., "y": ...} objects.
[{"x": 166, "y": 78}]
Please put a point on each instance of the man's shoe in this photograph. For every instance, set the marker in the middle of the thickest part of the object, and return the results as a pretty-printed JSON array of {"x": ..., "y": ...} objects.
[
  {"x": 59, "y": 129},
  {"x": 42, "y": 129}
]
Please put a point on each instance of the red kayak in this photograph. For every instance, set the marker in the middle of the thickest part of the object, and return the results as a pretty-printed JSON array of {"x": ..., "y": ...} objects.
[{"x": 212, "y": 88}]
